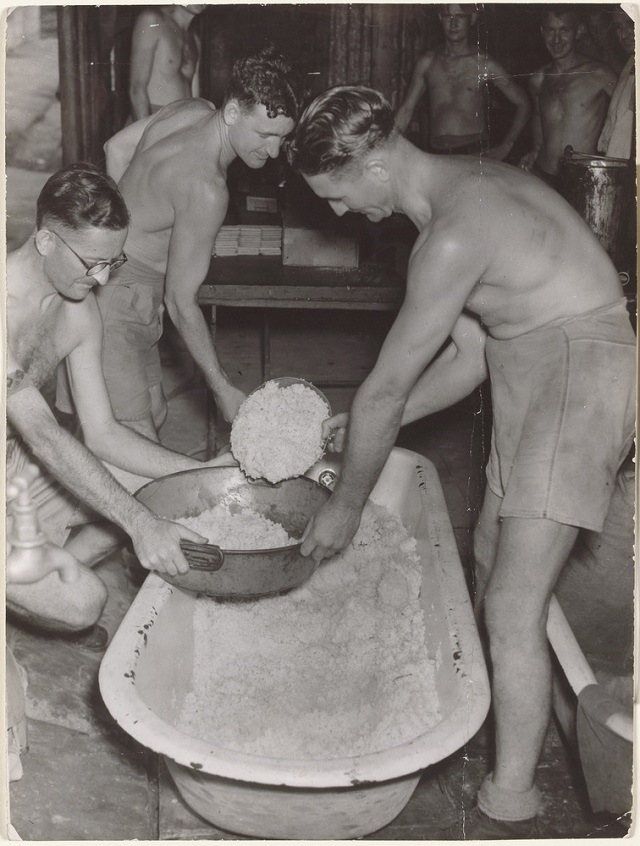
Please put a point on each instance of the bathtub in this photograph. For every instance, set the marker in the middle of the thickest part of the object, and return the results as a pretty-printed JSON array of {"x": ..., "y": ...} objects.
[{"x": 145, "y": 675}]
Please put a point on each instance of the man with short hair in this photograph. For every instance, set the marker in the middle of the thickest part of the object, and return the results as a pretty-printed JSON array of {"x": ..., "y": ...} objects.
[
  {"x": 455, "y": 79},
  {"x": 165, "y": 53},
  {"x": 52, "y": 317},
  {"x": 570, "y": 96},
  {"x": 172, "y": 170},
  {"x": 510, "y": 273}
]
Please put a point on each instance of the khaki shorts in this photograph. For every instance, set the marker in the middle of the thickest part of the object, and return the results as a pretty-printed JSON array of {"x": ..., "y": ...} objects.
[
  {"x": 56, "y": 506},
  {"x": 131, "y": 308},
  {"x": 563, "y": 401}
]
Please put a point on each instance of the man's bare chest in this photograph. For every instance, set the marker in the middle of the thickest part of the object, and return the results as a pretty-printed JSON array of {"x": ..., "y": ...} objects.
[
  {"x": 454, "y": 76},
  {"x": 569, "y": 95},
  {"x": 38, "y": 339}
]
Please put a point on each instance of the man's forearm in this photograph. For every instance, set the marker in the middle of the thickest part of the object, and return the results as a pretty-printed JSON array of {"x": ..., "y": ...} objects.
[
  {"x": 373, "y": 428},
  {"x": 448, "y": 380},
  {"x": 131, "y": 451},
  {"x": 80, "y": 472},
  {"x": 190, "y": 323}
]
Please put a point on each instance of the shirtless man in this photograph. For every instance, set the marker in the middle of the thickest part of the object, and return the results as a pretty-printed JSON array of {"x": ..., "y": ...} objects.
[
  {"x": 455, "y": 79},
  {"x": 570, "y": 96},
  {"x": 164, "y": 58},
  {"x": 52, "y": 316},
  {"x": 499, "y": 264},
  {"x": 172, "y": 169}
]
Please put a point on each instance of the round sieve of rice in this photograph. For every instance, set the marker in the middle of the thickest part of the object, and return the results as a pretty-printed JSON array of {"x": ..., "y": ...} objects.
[{"x": 277, "y": 432}]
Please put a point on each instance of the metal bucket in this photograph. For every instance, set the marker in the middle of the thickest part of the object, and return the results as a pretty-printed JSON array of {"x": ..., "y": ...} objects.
[
  {"x": 602, "y": 190},
  {"x": 240, "y": 573}
]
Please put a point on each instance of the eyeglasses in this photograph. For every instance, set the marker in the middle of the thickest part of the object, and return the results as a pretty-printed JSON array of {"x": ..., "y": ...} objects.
[{"x": 99, "y": 266}]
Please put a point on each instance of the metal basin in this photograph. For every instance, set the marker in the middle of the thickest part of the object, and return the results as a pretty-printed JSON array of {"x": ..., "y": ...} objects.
[{"x": 239, "y": 573}]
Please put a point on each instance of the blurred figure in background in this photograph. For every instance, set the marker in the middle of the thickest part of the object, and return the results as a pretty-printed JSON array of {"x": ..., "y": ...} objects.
[
  {"x": 570, "y": 96},
  {"x": 617, "y": 137},
  {"x": 165, "y": 53},
  {"x": 455, "y": 79}
]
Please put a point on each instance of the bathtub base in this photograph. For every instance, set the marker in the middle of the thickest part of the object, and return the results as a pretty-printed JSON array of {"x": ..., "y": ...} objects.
[{"x": 280, "y": 812}]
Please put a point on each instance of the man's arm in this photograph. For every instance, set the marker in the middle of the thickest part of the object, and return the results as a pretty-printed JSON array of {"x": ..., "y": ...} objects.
[
  {"x": 103, "y": 435},
  {"x": 519, "y": 98},
  {"x": 155, "y": 541},
  {"x": 195, "y": 82},
  {"x": 442, "y": 273},
  {"x": 198, "y": 217},
  {"x": 453, "y": 375},
  {"x": 119, "y": 149},
  {"x": 527, "y": 162},
  {"x": 146, "y": 36},
  {"x": 415, "y": 91},
  {"x": 458, "y": 370}
]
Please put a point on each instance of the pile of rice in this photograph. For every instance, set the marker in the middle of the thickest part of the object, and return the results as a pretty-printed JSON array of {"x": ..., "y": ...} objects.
[
  {"x": 240, "y": 529},
  {"x": 277, "y": 433},
  {"x": 335, "y": 668}
]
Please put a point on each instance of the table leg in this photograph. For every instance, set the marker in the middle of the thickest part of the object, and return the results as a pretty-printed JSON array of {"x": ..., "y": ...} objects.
[
  {"x": 212, "y": 408},
  {"x": 266, "y": 345}
]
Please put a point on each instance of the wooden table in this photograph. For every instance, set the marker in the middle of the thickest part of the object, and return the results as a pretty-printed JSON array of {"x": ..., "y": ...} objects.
[{"x": 263, "y": 282}]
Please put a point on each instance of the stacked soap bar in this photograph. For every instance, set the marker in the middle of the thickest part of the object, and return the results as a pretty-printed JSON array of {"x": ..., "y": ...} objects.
[{"x": 248, "y": 241}]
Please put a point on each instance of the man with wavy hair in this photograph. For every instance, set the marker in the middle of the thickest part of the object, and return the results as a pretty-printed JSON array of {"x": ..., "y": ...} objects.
[
  {"x": 504, "y": 277},
  {"x": 171, "y": 169}
]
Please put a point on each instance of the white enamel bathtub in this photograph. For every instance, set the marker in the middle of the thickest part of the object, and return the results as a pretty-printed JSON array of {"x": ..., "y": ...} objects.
[{"x": 146, "y": 672}]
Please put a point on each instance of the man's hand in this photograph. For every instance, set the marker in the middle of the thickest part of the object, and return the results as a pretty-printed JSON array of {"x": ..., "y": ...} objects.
[
  {"x": 334, "y": 431},
  {"x": 527, "y": 162},
  {"x": 330, "y": 530},
  {"x": 157, "y": 544},
  {"x": 229, "y": 401}
]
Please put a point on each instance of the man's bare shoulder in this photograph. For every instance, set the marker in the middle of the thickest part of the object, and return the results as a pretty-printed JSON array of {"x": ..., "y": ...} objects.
[
  {"x": 149, "y": 17},
  {"x": 598, "y": 71},
  {"x": 423, "y": 63}
]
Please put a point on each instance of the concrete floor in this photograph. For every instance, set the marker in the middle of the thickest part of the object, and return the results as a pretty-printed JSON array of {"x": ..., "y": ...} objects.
[{"x": 84, "y": 779}]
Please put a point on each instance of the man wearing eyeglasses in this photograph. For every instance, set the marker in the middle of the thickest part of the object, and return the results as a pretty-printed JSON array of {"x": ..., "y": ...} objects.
[
  {"x": 52, "y": 316},
  {"x": 172, "y": 171},
  {"x": 454, "y": 79}
]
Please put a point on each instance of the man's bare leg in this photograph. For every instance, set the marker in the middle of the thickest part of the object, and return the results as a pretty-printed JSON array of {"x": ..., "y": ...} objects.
[
  {"x": 145, "y": 427},
  {"x": 95, "y": 541},
  {"x": 531, "y": 554}
]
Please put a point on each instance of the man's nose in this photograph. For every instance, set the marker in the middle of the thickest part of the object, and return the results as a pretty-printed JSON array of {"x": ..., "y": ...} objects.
[
  {"x": 273, "y": 147},
  {"x": 102, "y": 276},
  {"x": 338, "y": 207}
]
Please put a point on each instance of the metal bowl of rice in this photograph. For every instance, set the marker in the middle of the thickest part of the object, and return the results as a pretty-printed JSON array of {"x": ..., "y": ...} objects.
[
  {"x": 219, "y": 501},
  {"x": 277, "y": 432}
]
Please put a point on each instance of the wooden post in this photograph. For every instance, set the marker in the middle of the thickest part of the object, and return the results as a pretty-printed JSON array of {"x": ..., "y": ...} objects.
[{"x": 85, "y": 82}]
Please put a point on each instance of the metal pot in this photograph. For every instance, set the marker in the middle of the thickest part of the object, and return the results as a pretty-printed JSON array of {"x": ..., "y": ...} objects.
[{"x": 238, "y": 573}]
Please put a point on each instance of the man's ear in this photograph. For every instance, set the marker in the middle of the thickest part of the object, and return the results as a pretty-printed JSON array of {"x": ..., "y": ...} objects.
[
  {"x": 43, "y": 241},
  {"x": 231, "y": 112},
  {"x": 378, "y": 168}
]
